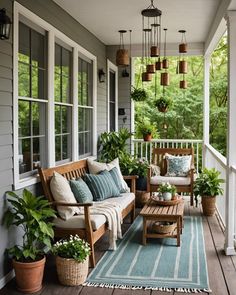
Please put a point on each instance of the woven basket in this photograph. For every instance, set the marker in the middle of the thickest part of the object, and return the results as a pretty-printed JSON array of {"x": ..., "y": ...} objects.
[
  {"x": 141, "y": 198},
  {"x": 70, "y": 272},
  {"x": 208, "y": 205},
  {"x": 161, "y": 227}
]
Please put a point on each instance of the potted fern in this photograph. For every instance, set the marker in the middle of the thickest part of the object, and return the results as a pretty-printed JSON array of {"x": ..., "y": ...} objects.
[
  {"x": 208, "y": 186},
  {"x": 162, "y": 104},
  {"x": 32, "y": 214}
]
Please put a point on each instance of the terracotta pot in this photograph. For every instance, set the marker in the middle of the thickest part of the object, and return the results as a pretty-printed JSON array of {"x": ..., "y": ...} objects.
[
  {"x": 183, "y": 67},
  {"x": 165, "y": 79},
  {"x": 151, "y": 69},
  {"x": 147, "y": 137},
  {"x": 141, "y": 198},
  {"x": 183, "y": 84},
  {"x": 158, "y": 65},
  {"x": 162, "y": 109},
  {"x": 29, "y": 275},
  {"x": 155, "y": 52},
  {"x": 146, "y": 77},
  {"x": 122, "y": 57},
  {"x": 183, "y": 48},
  {"x": 165, "y": 63},
  {"x": 208, "y": 205}
]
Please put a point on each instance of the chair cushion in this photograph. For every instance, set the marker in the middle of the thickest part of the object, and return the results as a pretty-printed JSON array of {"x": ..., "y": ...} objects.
[
  {"x": 96, "y": 167},
  {"x": 172, "y": 180},
  {"x": 77, "y": 221},
  {"x": 81, "y": 191},
  {"x": 102, "y": 186},
  {"x": 123, "y": 200},
  {"x": 178, "y": 165},
  {"x": 62, "y": 192}
]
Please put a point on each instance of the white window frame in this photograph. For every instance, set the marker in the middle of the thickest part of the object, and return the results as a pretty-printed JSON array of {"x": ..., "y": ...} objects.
[
  {"x": 53, "y": 35},
  {"x": 112, "y": 67}
]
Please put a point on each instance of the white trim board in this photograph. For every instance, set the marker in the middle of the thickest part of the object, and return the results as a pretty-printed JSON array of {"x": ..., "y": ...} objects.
[
  {"x": 20, "y": 12},
  {"x": 7, "y": 278}
]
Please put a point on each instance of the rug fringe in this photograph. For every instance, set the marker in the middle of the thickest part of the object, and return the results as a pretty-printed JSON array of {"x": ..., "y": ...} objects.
[{"x": 163, "y": 289}]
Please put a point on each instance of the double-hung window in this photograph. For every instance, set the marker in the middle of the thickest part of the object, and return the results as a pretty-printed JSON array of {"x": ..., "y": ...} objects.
[
  {"x": 63, "y": 104},
  {"x": 32, "y": 101},
  {"x": 85, "y": 107}
]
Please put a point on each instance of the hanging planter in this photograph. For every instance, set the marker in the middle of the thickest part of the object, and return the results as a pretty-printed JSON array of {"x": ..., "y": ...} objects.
[
  {"x": 122, "y": 54},
  {"x": 165, "y": 63},
  {"x": 151, "y": 69},
  {"x": 183, "y": 84},
  {"x": 183, "y": 48},
  {"x": 165, "y": 79},
  {"x": 146, "y": 77},
  {"x": 159, "y": 65},
  {"x": 139, "y": 94},
  {"x": 155, "y": 52},
  {"x": 183, "y": 67},
  {"x": 162, "y": 104}
]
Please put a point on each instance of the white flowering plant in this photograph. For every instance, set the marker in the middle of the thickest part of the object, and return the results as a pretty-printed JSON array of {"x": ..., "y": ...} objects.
[
  {"x": 166, "y": 187},
  {"x": 73, "y": 247}
]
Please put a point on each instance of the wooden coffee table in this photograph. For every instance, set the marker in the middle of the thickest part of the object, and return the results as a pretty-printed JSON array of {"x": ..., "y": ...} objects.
[{"x": 152, "y": 212}]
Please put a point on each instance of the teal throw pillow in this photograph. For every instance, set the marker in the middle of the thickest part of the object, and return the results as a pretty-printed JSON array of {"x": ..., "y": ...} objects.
[
  {"x": 178, "y": 165},
  {"x": 81, "y": 191},
  {"x": 116, "y": 178},
  {"x": 102, "y": 186}
]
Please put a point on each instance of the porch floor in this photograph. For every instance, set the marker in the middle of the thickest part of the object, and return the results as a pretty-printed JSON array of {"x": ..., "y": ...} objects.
[{"x": 221, "y": 268}]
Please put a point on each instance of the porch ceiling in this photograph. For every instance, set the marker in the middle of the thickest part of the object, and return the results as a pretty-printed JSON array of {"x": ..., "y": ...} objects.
[{"x": 105, "y": 17}]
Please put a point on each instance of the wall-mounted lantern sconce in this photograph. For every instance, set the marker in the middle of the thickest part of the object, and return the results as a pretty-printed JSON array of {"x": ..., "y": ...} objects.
[
  {"x": 101, "y": 76},
  {"x": 5, "y": 25}
]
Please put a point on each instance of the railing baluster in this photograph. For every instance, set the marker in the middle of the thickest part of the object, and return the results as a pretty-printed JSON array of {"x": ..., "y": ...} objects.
[
  {"x": 146, "y": 151},
  {"x": 141, "y": 151},
  {"x": 197, "y": 150},
  {"x": 150, "y": 153}
]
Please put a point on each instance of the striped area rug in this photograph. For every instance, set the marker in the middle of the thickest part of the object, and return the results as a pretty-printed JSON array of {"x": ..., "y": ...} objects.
[{"x": 159, "y": 265}]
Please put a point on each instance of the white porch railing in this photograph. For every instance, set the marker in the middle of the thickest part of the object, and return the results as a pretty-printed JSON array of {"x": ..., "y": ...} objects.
[
  {"x": 214, "y": 159},
  {"x": 143, "y": 149}
]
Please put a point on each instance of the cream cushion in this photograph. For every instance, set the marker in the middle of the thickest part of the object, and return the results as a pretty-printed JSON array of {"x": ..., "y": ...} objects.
[
  {"x": 62, "y": 192},
  {"x": 96, "y": 167},
  {"x": 97, "y": 220},
  {"x": 171, "y": 179}
]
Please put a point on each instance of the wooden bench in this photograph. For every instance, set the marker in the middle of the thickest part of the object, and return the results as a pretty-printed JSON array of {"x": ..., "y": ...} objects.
[{"x": 76, "y": 170}]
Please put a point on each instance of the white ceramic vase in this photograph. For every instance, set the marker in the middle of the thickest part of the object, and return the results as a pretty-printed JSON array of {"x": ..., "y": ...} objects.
[{"x": 167, "y": 196}]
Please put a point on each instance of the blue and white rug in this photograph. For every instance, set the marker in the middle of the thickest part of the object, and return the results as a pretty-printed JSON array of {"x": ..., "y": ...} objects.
[{"x": 160, "y": 265}]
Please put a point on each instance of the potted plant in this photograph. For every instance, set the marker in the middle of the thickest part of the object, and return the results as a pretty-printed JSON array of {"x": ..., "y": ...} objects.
[
  {"x": 33, "y": 215},
  {"x": 72, "y": 258},
  {"x": 208, "y": 186},
  {"x": 166, "y": 190},
  {"x": 139, "y": 94},
  {"x": 162, "y": 104},
  {"x": 146, "y": 129}
]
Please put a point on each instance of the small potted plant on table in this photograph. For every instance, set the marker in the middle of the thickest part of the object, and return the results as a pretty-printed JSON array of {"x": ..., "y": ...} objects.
[
  {"x": 72, "y": 260},
  {"x": 166, "y": 190},
  {"x": 33, "y": 215},
  {"x": 208, "y": 186}
]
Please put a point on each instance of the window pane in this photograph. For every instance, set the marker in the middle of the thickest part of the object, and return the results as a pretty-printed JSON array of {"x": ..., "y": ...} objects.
[
  {"x": 90, "y": 85},
  {"x": 81, "y": 119},
  {"x": 36, "y": 152},
  {"x": 38, "y": 49},
  {"x": 112, "y": 117},
  {"x": 23, "y": 80},
  {"x": 66, "y": 147},
  {"x": 112, "y": 86},
  {"x": 58, "y": 148},
  {"x": 24, "y": 155},
  {"x": 88, "y": 120},
  {"x": 88, "y": 143},
  {"x": 57, "y": 87},
  {"x": 66, "y": 89},
  {"x": 66, "y": 62},
  {"x": 24, "y": 118},
  {"x": 66, "y": 119},
  {"x": 38, "y": 118},
  {"x": 24, "y": 42},
  {"x": 81, "y": 144},
  {"x": 57, "y": 119},
  {"x": 57, "y": 59}
]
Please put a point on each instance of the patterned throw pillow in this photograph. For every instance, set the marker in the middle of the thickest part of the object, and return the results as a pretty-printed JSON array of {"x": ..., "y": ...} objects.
[
  {"x": 81, "y": 191},
  {"x": 116, "y": 178},
  {"x": 102, "y": 186},
  {"x": 178, "y": 165}
]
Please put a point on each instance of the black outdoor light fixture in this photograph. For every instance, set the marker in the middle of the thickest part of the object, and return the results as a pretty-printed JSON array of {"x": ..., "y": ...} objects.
[
  {"x": 101, "y": 76},
  {"x": 5, "y": 25}
]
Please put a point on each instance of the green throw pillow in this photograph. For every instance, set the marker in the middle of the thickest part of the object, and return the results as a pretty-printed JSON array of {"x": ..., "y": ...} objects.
[
  {"x": 102, "y": 186},
  {"x": 116, "y": 178},
  {"x": 81, "y": 191}
]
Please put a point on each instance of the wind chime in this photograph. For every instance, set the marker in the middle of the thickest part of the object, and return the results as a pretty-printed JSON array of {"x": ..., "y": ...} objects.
[{"x": 182, "y": 67}]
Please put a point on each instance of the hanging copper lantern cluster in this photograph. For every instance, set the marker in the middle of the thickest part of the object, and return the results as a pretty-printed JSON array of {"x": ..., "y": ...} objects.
[
  {"x": 151, "y": 39},
  {"x": 182, "y": 67},
  {"x": 122, "y": 54}
]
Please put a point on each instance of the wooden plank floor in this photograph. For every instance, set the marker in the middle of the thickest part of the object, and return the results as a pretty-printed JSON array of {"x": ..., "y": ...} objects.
[{"x": 221, "y": 268}]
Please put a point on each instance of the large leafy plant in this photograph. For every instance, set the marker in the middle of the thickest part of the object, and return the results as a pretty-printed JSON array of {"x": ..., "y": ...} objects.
[
  {"x": 113, "y": 144},
  {"x": 33, "y": 215},
  {"x": 208, "y": 183},
  {"x": 133, "y": 166}
]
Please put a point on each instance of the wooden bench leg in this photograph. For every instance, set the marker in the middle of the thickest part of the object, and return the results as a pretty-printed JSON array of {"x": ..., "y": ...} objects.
[
  {"x": 92, "y": 257},
  {"x": 191, "y": 199},
  {"x": 144, "y": 231},
  {"x": 178, "y": 231},
  {"x": 132, "y": 214}
]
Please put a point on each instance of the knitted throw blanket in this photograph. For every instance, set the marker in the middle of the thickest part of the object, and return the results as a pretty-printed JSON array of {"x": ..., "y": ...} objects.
[{"x": 113, "y": 213}]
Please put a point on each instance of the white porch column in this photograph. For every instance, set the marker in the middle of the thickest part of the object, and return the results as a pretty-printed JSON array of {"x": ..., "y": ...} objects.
[
  {"x": 231, "y": 135},
  {"x": 206, "y": 106}
]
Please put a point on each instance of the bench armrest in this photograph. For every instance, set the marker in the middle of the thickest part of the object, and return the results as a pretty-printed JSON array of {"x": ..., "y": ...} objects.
[{"x": 133, "y": 181}]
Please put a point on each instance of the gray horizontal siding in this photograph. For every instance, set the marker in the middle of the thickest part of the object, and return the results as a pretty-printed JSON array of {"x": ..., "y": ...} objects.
[{"x": 6, "y": 98}]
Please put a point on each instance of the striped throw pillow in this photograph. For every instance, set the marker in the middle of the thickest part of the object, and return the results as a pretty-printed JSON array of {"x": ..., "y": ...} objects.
[
  {"x": 102, "y": 186},
  {"x": 81, "y": 191},
  {"x": 116, "y": 178}
]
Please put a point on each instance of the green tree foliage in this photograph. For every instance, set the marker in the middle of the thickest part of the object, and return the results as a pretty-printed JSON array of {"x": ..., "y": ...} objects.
[{"x": 184, "y": 119}]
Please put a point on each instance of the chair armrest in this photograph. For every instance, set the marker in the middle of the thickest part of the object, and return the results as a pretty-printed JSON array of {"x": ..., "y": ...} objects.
[
  {"x": 149, "y": 175},
  {"x": 133, "y": 181},
  {"x": 63, "y": 204}
]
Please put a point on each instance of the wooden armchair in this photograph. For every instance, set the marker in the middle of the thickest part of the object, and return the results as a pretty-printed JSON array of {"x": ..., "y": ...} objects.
[{"x": 183, "y": 184}]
